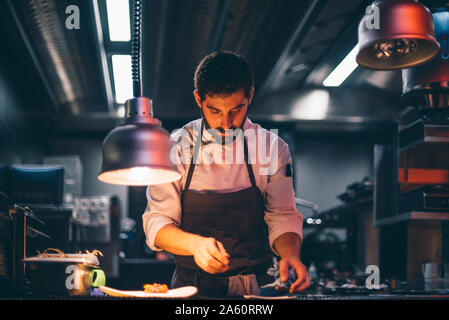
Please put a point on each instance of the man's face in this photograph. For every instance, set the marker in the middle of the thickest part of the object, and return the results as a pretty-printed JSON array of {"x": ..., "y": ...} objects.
[{"x": 224, "y": 113}]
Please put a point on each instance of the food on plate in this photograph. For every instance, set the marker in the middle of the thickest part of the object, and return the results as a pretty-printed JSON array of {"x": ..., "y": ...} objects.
[
  {"x": 60, "y": 254},
  {"x": 95, "y": 252},
  {"x": 155, "y": 288},
  {"x": 46, "y": 254}
]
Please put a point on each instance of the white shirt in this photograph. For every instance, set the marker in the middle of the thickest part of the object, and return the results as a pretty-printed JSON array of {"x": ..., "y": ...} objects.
[{"x": 269, "y": 156}]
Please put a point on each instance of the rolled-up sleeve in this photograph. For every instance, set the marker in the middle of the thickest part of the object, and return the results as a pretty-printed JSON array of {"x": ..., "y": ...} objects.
[
  {"x": 281, "y": 214},
  {"x": 163, "y": 203},
  {"x": 163, "y": 207}
]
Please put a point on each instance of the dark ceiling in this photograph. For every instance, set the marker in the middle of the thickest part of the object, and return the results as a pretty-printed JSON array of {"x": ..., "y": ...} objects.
[{"x": 292, "y": 45}]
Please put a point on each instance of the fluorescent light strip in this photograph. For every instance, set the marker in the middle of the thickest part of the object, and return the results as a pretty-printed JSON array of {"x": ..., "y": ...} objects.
[
  {"x": 121, "y": 111},
  {"x": 118, "y": 20},
  {"x": 121, "y": 67},
  {"x": 343, "y": 70}
]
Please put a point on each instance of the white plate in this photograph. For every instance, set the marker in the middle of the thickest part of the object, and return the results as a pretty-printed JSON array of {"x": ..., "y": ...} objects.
[
  {"x": 68, "y": 258},
  {"x": 183, "y": 292},
  {"x": 269, "y": 298}
]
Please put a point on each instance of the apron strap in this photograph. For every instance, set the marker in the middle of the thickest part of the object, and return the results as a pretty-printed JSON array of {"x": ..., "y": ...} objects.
[
  {"x": 195, "y": 156},
  {"x": 248, "y": 164}
]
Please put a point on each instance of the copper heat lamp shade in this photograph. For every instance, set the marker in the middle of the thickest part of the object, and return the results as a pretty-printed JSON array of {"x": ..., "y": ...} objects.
[
  {"x": 431, "y": 80},
  {"x": 137, "y": 153},
  {"x": 405, "y": 36}
]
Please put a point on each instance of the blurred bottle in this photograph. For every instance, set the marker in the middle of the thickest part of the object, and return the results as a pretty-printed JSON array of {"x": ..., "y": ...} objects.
[{"x": 312, "y": 272}]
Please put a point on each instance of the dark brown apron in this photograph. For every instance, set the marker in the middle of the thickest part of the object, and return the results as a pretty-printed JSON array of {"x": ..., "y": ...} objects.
[{"x": 236, "y": 219}]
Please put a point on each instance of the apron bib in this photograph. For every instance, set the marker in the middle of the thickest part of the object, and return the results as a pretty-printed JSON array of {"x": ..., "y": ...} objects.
[{"x": 236, "y": 219}]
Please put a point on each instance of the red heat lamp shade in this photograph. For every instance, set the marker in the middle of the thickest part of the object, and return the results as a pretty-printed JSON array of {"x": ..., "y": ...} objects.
[
  {"x": 427, "y": 86},
  {"x": 404, "y": 36},
  {"x": 137, "y": 152}
]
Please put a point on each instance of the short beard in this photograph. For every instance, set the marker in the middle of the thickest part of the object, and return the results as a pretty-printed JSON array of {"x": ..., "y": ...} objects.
[{"x": 224, "y": 139}]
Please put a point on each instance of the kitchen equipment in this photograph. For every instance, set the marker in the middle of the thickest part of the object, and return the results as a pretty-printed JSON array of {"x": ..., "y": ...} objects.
[
  {"x": 396, "y": 34},
  {"x": 430, "y": 271},
  {"x": 37, "y": 184},
  {"x": 428, "y": 85},
  {"x": 56, "y": 225},
  {"x": 68, "y": 274},
  {"x": 137, "y": 151},
  {"x": 92, "y": 215},
  {"x": 305, "y": 203},
  {"x": 358, "y": 190},
  {"x": 25, "y": 232},
  {"x": 73, "y": 174},
  {"x": 427, "y": 198},
  {"x": 96, "y": 224}
]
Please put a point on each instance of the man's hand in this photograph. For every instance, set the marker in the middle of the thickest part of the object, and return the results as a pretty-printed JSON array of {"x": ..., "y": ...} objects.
[
  {"x": 303, "y": 280},
  {"x": 210, "y": 255},
  {"x": 288, "y": 245}
]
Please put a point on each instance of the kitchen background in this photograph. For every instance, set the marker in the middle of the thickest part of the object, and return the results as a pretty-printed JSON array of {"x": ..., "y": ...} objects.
[{"x": 61, "y": 92}]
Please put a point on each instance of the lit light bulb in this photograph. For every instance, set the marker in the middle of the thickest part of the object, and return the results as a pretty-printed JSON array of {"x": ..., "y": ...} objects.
[
  {"x": 395, "y": 48},
  {"x": 139, "y": 173}
]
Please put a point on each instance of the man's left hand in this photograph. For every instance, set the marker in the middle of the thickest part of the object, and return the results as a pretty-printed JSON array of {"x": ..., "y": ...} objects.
[{"x": 303, "y": 280}]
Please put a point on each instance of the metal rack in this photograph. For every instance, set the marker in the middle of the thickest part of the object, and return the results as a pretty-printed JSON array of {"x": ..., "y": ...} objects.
[
  {"x": 22, "y": 233},
  {"x": 391, "y": 178},
  {"x": 417, "y": 156}
]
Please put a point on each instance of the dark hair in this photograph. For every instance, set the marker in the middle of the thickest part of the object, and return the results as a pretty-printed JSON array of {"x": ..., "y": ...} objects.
[{"x": 223, "y": 73}]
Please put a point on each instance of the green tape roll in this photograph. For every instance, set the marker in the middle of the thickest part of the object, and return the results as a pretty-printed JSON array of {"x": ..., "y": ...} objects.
[{"x": 97, "y": 278}]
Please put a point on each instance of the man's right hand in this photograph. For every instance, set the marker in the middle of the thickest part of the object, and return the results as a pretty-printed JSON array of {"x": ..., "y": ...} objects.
[{"x": 210, "y": 255}]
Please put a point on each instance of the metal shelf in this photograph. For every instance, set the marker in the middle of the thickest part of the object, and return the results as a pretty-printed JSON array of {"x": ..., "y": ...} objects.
[
  {"x": 414, "y": 215},
  {"x": 420, "y": 133},
  {"x": 347, "y": 208}
]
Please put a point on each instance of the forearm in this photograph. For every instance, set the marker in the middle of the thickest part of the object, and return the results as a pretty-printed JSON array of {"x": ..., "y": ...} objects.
[
  {"x": 288, "y": 244},
  {"x": 176, "y": 241}
]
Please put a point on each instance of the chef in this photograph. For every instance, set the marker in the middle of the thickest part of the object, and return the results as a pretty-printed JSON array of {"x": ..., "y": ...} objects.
[{"x": 232, "y": 210}]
